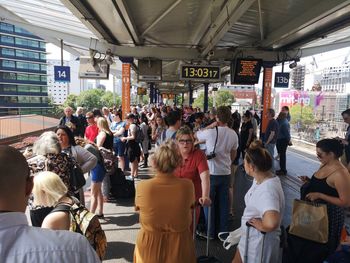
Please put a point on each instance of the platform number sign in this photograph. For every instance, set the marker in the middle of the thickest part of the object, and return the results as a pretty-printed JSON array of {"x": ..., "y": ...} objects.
[
  {"x": 62, "y": 74},
  {"x": 281, "y": 80}
]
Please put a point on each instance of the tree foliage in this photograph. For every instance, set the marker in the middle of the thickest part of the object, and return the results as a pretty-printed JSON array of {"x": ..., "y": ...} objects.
[
  {"x": 224, "y": 98},
  {"x": 199, "y": 101},
  {"x": 302, "y": 114},
  {"x": 71, "y": 101}
]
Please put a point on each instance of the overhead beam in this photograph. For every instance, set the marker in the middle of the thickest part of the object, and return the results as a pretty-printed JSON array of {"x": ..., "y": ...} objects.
[
  {"x": 228, "y": 16},
  {"x": 90, "y": 15},
  {"x": 127, "y": 20},
  {"x": 161, "y": 16},
  {"x": 305, "y": 23},
  {"x": 310, "y": 51}
]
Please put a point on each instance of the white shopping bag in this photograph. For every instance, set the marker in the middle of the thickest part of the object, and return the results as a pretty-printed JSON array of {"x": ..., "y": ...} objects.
[{"x": 231, "y": 240}]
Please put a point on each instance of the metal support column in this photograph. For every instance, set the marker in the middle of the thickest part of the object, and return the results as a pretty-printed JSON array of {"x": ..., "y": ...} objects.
[
  {"x": 206, "y": 98},
  {"x": 151, "y": 93},
  {"x": 190, "y": 93}
]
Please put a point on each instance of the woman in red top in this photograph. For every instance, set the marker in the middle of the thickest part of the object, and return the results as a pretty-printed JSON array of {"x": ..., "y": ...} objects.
[
  {"x": 194, "y": 166},
  {"x": 91, "y": 131}
]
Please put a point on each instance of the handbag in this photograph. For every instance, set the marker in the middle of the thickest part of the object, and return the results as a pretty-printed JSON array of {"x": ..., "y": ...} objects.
[
  {"x": 76, "y": 177},
  {"x": 310, "y": 221},
  {"x": 109, "y": 159}
]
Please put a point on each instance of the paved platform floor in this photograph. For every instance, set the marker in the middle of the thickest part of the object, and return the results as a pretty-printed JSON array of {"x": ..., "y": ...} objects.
[{"x": 121, "y": 222}]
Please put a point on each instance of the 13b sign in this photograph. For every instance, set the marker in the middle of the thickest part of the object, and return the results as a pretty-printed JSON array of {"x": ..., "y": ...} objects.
[
  {"x": 281, "y": 80},
  {"x": 62, "y": 74}
]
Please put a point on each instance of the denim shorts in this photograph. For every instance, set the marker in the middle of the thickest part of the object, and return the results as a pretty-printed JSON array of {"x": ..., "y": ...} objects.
[
  {"x": 98, "y": 173},
  {"x": 119, "y": 148}
]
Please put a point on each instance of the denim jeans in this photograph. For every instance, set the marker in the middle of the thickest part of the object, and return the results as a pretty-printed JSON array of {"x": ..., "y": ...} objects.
[
  {"x": 271, "y": 149},
  {"x": 219, "y": 185}
]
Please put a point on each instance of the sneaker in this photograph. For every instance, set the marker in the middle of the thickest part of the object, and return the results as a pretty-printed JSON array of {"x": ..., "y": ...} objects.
[
  {"x": 129, "y": 177},
  {"x": 203, "y": 235},
  {"x": 280, "y": 172}
]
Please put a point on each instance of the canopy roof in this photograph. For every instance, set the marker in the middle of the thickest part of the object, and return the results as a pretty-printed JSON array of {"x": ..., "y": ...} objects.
[{"x": 187, "y": 31}]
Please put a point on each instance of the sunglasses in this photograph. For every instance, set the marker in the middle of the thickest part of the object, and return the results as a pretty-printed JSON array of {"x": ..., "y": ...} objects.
[
  {"x": 89, "y": 117},
  {"x": 185, "y": 141}
]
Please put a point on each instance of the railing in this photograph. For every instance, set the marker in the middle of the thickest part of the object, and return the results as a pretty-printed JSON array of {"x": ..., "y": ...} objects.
[{"x": 16, "y": 127}]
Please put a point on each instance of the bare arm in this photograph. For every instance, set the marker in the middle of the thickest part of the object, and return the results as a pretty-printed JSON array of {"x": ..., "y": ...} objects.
[
  {"x": 269, "y": 222},
  {"x": 251, "y": 131},
  {"x": 100, "y": 139},
  {"x": 119, "y": 132},
  {"x": 272, "y": 134},
  {"x": 233, "y": 154},
  {"x": 205, "y": 183},
  {"x": 57, "y": 221},
  {"x": 342, "y": 185}
]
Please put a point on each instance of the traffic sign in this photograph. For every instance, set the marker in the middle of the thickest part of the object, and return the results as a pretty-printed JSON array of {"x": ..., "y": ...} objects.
[
  {"x": 281, "y": 80},
  {"x": 62, "y": 73}
]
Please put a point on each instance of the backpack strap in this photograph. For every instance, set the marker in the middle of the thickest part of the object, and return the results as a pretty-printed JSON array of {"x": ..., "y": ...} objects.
[
  {"x": 63, "y": 207},
  {"x": 164, "y": 135}
]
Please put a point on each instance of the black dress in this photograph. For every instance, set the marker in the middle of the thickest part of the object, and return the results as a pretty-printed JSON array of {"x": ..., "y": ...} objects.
[{"x": 305, "y": 251}]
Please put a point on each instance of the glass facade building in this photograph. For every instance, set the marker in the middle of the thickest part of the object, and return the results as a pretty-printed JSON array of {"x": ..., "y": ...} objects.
[{"x": 23, "y": 72}]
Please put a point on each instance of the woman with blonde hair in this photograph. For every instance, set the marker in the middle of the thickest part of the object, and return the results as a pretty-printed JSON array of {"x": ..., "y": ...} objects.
[
  {"x": 49, "y": 190},
  {"x": 165, "y": 203},
  {"x": 104, "y": 139}
]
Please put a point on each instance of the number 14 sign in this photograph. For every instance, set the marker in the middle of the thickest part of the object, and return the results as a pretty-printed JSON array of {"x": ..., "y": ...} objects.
[{"x": 62, "y": 74}]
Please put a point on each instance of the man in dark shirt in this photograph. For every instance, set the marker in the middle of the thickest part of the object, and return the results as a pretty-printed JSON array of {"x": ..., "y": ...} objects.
[
  {"x": 70, "y": 120},
  {"x": 271, "y": 133}
]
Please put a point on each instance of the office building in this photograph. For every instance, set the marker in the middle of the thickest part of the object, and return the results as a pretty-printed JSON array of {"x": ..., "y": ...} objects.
[{"x": 23, "y": 72}]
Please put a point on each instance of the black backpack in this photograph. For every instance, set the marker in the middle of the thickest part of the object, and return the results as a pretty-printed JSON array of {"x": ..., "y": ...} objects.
[
  {"x": 120, "y": 186},
  {"x": 139, "y": 137}
]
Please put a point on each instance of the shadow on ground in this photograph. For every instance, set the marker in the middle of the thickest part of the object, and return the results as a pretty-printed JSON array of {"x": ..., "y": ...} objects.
[
  {"x": 128, "y": 220},
  {"x": 120, "y": 250}
]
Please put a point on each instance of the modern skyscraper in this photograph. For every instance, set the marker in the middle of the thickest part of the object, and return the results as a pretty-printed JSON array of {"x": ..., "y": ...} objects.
[{"x": 23, "y": 75}]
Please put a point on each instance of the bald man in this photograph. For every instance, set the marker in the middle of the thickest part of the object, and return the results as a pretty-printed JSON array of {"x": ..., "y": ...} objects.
[
  {"x": 21, "y": 242},
  {"x": 70, "y": 120}
]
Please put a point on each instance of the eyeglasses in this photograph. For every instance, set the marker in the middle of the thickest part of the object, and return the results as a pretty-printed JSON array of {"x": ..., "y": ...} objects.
[{"x": 185, "y": 141}]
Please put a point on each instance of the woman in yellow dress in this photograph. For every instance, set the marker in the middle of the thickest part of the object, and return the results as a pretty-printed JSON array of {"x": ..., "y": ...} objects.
[{"x": 165, "y": 203}]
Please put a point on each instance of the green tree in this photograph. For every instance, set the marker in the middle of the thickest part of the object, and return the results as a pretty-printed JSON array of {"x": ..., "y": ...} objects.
[
  {"x": 199, "y": 101},
  {"x": 224, "y": 98},
  {"x": 107, "y": 99},
  {"x": 71, "y": 101},
  {"x": 303, "y": 114},
  {"x": 90, "y": 99}
]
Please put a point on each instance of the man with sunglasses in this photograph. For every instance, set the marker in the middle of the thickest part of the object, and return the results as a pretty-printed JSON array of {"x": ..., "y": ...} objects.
[
  {"x": 21, "y": 242},
  {"x": 91, "y": 130}
]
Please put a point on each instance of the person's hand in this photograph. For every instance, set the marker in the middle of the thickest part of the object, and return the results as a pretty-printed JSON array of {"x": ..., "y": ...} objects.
[
  {"x": 313, "y": 196},
  {"x": 204, "y": 201},
  {"x": 257, "y": 223},
  {"x": 304, "y": 179},
  {"x": 123, "y": 139}
]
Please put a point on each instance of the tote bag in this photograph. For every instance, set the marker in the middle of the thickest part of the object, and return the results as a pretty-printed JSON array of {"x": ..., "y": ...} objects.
[{"x": 309, "y": 221}]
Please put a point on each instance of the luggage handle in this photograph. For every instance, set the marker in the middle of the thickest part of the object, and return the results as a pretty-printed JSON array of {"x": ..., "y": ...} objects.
[
  {"x": 250, "y": 225},
  {"x": 208, "y": 224}
]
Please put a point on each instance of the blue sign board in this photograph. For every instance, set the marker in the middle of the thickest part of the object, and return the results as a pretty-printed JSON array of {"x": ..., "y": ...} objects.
[
  {"x": 62, "y": 74},
  {"x": 281, "y": 80}
]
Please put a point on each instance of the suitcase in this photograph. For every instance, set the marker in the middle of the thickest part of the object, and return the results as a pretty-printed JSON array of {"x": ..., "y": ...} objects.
[
  {"x": 206, "y": 258},
  {"x": 120, "y": 186},
  {"x": 247, "y": 243}
]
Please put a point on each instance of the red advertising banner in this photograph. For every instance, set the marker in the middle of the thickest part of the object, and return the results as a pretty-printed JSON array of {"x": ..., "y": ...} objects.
[
  {"x": 125, "y": 89},
  {"x": 266, "y": 97}
]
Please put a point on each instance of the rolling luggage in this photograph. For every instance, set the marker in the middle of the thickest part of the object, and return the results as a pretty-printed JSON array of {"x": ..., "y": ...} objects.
[
  {"x": 206, "y": 258},
  {"x": 261, "y": 254},
  {"x": 120, "y": 186}
]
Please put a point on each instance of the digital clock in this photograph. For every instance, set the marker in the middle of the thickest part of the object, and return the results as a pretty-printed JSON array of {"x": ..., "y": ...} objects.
[{"x": 189, "y": 72}]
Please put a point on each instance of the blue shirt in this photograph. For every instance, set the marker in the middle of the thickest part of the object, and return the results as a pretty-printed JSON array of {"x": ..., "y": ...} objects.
[
  {"x": 115, "y": 126},
  {"x": 284, "y": 129}
]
